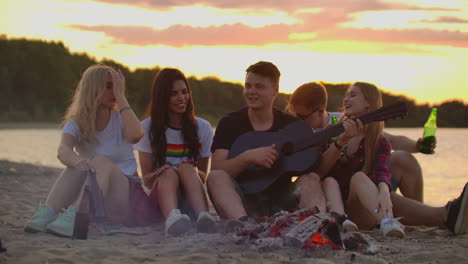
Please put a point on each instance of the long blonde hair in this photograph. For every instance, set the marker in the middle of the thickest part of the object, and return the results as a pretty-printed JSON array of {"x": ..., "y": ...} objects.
[
  {"x": 374, "y": 130},
  {"x": 86, "y": 100}
]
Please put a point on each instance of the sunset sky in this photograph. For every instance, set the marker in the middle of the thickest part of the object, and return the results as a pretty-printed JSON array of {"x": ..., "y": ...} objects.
[{"x": 412, "y": 47}]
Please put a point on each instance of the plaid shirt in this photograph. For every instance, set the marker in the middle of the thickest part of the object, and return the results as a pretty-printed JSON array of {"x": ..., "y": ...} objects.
[{"x": 346, "y": 167}]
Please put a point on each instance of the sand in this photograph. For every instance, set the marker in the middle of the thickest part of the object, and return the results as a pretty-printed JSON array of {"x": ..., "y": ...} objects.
[{"x": 22, "y": 186}]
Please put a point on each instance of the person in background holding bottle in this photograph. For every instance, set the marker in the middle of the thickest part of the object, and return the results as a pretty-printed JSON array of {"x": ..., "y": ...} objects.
[
  {"x": 406, "y": 171},
  {"x": 173, "y": 152},
  {"x": 99, "y": 130}
]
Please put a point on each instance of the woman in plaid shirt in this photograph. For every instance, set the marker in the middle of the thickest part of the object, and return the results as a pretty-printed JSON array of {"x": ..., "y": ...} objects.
[{"x": 360, "y": 163}]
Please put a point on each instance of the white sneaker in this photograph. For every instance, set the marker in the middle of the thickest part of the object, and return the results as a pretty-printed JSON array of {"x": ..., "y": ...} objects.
[
  {"x": 392, "y": 228},
  {"x": 349, "y": 226},
  {"x": 177, "y": 223},
  {"x": 206, "y": 223}
]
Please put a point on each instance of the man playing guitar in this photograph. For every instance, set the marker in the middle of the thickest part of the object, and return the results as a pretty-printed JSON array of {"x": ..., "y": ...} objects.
[{"x": 229, "y": 198}]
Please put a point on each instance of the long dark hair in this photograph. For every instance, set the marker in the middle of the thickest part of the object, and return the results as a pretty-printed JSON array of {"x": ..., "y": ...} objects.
[{"x": 158, "y": 109}]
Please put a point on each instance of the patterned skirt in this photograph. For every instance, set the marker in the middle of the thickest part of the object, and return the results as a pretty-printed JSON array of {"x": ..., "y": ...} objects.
[{"x": 144, "y": 209}]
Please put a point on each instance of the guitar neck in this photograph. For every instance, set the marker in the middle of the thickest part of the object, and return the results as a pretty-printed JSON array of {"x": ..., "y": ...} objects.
[{"x": 323, "y": 135}]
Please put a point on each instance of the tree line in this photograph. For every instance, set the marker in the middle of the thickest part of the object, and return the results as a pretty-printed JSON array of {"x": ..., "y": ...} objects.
[{"x": 37, "y": 80}]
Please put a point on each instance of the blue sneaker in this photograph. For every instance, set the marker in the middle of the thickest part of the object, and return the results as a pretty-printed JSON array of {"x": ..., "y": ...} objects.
[
  {"x": 64, "y": 224},
  {"x": 41, "y": 218}
]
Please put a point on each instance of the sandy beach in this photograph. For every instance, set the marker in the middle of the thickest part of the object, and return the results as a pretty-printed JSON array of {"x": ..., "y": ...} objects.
[{"x": 22, "y": 186}]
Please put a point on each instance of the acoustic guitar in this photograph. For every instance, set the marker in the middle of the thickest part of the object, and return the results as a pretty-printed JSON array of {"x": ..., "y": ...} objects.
[{"x": 298, "y": 148}]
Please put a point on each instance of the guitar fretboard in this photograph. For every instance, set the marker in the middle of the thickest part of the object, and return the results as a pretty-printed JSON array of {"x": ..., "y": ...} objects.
[{"x": 383, "y": 113}]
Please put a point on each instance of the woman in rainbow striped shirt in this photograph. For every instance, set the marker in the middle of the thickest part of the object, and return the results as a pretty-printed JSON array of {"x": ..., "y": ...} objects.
[{"x": 174, "y": 149}]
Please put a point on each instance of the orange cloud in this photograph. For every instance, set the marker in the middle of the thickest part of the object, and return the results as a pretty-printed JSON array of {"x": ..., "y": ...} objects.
[
  {"x": 323, "y": 26},
  {"x": 408, "y": 36},
  {"x": 290, "y": 5},
  {"x": 182, "y": 35}
]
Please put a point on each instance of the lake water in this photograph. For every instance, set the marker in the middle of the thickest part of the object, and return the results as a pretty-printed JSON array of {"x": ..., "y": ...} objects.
[{"x": 445, "y": 172}]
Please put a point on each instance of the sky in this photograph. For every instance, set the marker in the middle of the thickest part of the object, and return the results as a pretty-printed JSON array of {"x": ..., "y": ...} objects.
[{"x": 417, "y": 48}]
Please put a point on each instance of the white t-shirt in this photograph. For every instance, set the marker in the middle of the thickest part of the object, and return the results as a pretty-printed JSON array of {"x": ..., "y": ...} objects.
[
  {"x": 176, "y": 150},
  {"x": 110, "y": 143}
]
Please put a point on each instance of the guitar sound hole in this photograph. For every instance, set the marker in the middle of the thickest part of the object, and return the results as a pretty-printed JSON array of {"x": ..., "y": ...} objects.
[{"x": 287, "y": 148}]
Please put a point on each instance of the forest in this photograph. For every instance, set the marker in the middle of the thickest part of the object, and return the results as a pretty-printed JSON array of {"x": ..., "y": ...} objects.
[{"x": 37, "y": 80}]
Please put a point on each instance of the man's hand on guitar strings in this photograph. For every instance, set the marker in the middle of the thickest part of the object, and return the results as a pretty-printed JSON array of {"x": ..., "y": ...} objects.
[{"x": 263, "y": 156}]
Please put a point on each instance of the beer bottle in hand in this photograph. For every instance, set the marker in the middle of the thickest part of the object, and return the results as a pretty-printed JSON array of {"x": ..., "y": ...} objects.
[
  {"x": 334, "y": 122},
  {"x": 429, "y": 132}
]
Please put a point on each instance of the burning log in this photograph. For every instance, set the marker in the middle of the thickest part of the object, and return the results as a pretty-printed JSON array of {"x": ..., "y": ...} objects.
[
  {"x": 298, "y": 235},
  {"x": 306, "y": 228}
]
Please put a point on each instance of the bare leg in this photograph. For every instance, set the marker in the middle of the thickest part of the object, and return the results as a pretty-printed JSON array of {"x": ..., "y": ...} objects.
[
  {"x": 114, "y": 186},
  {"x": 407, "y": 171},
  {"x": 66, "y": 189},
  {"x": 193, "y": 187},
  {"x": 224, "y": 194},
  {"x": 310, "y": 193},
  {"x": 333, "y": 195},
  {"x": 167, "y": 185},
  {"x": 416, "y": 213},
  {"x": 362, "y": 201}
]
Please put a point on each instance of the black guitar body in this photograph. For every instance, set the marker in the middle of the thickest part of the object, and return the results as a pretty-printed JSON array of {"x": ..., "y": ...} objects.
[{"x": 256, "y": 178}]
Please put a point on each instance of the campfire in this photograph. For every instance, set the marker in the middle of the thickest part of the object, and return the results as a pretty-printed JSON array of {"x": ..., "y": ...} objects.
[{"x": 306, "y": 228}]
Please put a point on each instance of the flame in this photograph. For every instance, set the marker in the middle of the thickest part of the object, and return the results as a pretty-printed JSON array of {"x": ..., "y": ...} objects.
[{"x": 318, "y": 240}]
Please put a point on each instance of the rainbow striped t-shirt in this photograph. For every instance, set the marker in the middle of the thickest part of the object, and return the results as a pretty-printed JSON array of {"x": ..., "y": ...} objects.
[{"x": 176, "y": 150}]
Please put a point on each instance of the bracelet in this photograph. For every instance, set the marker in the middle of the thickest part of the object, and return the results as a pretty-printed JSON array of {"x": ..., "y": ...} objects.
[
  {"x": 124, "y": 108},
  {"x": 338, "y": 146}
]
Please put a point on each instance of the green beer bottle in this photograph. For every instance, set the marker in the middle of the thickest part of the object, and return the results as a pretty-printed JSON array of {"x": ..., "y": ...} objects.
[
  {"x": 429, "y": 132},
  {"x": 334, "y": 122}
]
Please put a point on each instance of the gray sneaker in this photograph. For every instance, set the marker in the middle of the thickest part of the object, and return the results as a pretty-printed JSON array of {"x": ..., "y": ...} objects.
[
  {"x": 177, "y": 223},
  {"x": 206, "y": 223},
  {"x": 64, "y": 224},
  {"x": 41, "y": 218}
]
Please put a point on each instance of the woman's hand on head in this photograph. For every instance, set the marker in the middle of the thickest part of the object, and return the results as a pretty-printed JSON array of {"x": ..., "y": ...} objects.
[{"x": 118, "y": 84}]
